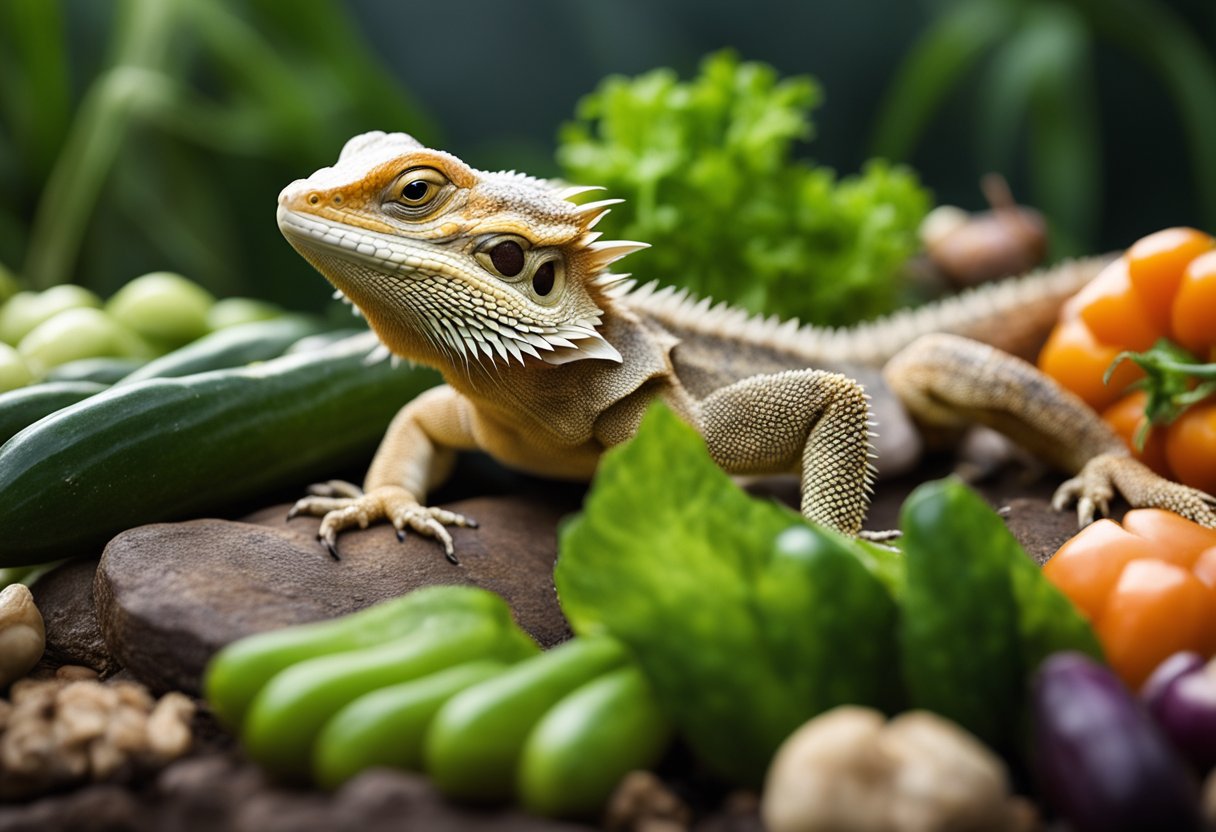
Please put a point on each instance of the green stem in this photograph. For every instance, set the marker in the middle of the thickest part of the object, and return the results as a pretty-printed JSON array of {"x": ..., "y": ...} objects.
[{"x": 74, "y": 187}]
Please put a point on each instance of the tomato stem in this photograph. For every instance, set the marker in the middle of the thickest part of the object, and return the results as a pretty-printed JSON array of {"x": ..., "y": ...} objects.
[{"x": 1174, "y": 379}]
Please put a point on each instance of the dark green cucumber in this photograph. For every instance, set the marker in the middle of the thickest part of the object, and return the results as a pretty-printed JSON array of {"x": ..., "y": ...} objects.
[
  {"x": 101, "y": 370},
  {"x": 164, "y": 449},
  {"x": 22, "y": 407},
  {"x": 234, "y": 346}
]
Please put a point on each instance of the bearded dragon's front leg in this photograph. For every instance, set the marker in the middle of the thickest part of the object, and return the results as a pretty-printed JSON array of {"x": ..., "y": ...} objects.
[
  {"x": 417, "y": 453},
  {"x": 810, "y": 420}
]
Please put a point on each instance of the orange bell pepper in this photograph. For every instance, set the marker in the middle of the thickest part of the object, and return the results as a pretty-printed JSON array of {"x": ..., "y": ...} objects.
[
  {"x": 1164, "y": 286},
  {"x": 1147, "y": 587}
]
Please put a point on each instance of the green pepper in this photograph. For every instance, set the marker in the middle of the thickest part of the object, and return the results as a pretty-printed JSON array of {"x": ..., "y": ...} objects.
[
  {"x": 581, "y": 748},
  {"x": 289, "y": 712},
  {"x": 474, "y": 743},
  {"x": 237, "y": 672},
  {"x": 386, "y": 727}
]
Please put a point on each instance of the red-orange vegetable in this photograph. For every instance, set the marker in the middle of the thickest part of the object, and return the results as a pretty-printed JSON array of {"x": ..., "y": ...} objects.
[
  {"x": 1148, "y": 587},
  {"x": 1163, "y": 287}
]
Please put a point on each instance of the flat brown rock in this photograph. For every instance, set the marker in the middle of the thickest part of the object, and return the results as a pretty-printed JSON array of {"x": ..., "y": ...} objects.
[
  {"x": 64, "y": 596},
  {"x": 171, "y": 594}
]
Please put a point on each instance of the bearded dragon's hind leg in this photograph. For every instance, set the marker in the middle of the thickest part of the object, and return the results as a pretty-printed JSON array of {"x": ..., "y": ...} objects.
[
  {"x": 949, "y": 380},
  {"x": 807, "y": 420}
]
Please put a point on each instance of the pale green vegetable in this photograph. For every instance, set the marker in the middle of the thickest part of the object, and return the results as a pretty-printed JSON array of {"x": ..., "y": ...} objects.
[
  {"x": 163, "y": 307},
  {"x": 233, "y": 311},
  {"x": 26, "y": 310},
  {"x": 78, "y": 333},
  {"x": 13, "y": 371}
]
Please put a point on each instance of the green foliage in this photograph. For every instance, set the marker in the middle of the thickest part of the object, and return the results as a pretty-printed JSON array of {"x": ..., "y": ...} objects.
[
  {"x": 708, "y": 172},
  {"x": 1035, "y": 65},
  {"x": 748, "y": 621},
  {"x": 168, "y": 157}
]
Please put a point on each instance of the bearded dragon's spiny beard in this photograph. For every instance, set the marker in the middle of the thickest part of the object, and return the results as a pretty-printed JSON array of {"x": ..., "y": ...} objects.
[{"x": 456, "y": 266}]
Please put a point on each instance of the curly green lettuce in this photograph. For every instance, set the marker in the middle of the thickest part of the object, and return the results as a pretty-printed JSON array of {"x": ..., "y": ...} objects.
[{"x": 708, "y": 173}]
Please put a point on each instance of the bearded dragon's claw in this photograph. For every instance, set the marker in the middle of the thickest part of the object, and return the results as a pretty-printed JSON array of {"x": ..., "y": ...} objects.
[
  {"x": 336, "y": 488},
  {"x": 390, "y": 503},
  {"x": 331, "y": 545},
  {"x": 1095, "y": 485}
]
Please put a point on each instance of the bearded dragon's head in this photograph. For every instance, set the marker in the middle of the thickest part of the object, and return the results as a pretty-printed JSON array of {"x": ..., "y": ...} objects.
[{"x": 452, "y": 265}]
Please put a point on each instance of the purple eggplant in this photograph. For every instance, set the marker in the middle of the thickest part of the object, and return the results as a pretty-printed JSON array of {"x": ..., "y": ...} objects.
[
  {"x": 1179, "y": 664},
  {"x": 1101, "y": 761},
  {"x": 1181, "y": 696}
]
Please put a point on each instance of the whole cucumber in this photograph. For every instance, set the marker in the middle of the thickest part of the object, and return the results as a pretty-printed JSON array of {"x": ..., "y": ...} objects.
[
  {"x": 237, "y": 672},
  {"x": 22, "y": 407},
  {"x": 163, "y": 449},
  {"x": 106, "y": 370},
  {"x": 473, "y": 745},
  {"x": 579, "y": 751},
  {"x": 289, "y": 712},
  {"x": 234, "y": 346},
  {"x": 386, "y": 727}
]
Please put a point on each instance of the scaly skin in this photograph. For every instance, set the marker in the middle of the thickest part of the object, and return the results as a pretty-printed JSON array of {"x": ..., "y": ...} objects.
[{"x": 499, "y": 282}]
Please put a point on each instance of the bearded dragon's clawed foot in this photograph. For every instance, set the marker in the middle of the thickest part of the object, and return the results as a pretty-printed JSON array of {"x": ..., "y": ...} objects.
[
  {"x": 344, "y": 506},
  {"x": 1097, "y": 482}
]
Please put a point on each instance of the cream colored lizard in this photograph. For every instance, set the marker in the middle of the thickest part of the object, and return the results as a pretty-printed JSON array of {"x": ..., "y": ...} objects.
[{"x": 500, "y": 282}]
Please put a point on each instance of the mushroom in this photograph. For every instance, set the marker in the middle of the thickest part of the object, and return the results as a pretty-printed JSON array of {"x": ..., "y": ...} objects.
[
  {"x": 850, "y": 769},
  {"x": 969, "y": 249},
  {"x": 22, "y": 633}
]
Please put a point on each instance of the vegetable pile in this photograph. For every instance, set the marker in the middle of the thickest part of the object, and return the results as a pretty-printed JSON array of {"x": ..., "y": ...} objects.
[
  {"x": 696, "y": 606},
  {"x": 442, "y": 680},
  {"x": 707, "y": 172},
  {"x": 1155, "y": 307},
  {"x": 789, "y": 619},
  {"x": 1148, "y": 587},
  {"x": 47, "y": 334}
]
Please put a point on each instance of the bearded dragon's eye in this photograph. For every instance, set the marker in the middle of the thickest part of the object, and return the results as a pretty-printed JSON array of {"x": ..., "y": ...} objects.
[
  {"x": 419, "y": 187},
  {"x": 508, "y": 258},
  {"x": 542, "y": 281},
  {"x": 416, "y": 191}
]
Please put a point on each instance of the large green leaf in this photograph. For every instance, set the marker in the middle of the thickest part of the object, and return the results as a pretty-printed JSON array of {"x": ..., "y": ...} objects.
[{"x": 746, "y": 619}]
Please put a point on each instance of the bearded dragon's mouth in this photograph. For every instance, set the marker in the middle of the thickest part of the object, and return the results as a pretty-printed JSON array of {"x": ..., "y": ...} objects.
[{"x": 382, "y": 252}]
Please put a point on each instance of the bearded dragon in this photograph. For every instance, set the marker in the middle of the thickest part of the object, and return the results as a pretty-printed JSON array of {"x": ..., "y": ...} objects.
[{"x": 500, "y": 281}]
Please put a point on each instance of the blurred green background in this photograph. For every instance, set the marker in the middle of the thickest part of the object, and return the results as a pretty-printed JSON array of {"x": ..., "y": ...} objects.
[{"x": 155, "y": 134}]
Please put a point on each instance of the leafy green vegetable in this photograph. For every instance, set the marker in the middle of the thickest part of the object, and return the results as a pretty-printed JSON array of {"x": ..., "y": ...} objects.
[
  {"x": 708, "y": 174},
  {"x": 977, "y": 617},
  {"x": 746, "y": 620}
]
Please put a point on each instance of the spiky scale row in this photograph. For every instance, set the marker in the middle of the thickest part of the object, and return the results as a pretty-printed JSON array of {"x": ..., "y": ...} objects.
[{"x": 871, "y": 343}]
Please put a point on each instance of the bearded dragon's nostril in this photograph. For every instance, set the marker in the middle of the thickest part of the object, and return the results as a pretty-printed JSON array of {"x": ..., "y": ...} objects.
[{"x": 314, "y": 198}]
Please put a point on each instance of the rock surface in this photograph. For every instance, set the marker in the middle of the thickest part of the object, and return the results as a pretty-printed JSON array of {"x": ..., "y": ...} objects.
[
  {"x": 64, "y": 596},
  {"x": 169, "y": 595}
]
